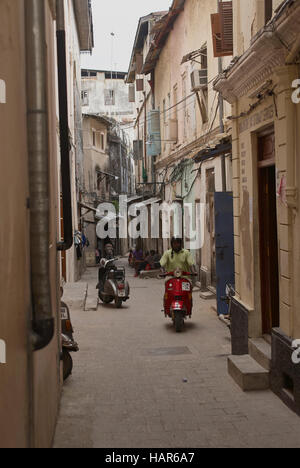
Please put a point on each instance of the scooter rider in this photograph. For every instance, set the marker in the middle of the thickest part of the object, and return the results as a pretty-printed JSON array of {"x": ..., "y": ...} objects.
[{"x": 177, "y": 258}]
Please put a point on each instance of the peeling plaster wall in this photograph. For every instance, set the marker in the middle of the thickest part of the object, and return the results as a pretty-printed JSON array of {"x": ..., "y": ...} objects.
[
  {"x": 94, "y": 158},
  {"x": 248, "y": 20},
  {"x": 122, "y": 111},
  {"x": 192, "y": 29}
]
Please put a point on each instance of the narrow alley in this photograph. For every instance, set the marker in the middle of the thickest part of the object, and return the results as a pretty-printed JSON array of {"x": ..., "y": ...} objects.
[
  {"x": 136, "y": 383},
  {"x": 161, "y": 137}
]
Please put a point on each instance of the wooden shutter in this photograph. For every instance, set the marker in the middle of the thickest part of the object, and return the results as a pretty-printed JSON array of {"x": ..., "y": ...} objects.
[
  {"x": 154, "y": 135},
  {"x": 131, "y": 93},
  {"x": 217, "y": 34},
  {"x": 222, "y": 30},
  {"x": 140, "y": 85},
  {"x": 226, "y": 13},
  {"x": 138, "y": 150},
  {"x": 139, "y": 63}
]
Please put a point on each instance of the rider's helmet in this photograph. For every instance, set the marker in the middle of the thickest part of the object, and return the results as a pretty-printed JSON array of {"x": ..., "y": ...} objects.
[{"x": 176, "y": 240}]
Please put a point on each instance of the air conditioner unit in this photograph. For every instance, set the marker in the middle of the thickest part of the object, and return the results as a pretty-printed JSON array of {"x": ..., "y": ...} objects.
[
  {"x": 154, "y": 135},
  {"x": 173, "y": 130},
  {"x": 199, "y": 79}
]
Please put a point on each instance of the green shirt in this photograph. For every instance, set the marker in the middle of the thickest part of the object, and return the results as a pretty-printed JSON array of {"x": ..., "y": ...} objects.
[{"x": 182, "y": 260}]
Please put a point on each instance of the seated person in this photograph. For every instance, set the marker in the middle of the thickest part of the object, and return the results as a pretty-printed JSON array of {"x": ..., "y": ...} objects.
[
  {"x": 138, "y": 260},
  {"x": 151, "y": 262}
]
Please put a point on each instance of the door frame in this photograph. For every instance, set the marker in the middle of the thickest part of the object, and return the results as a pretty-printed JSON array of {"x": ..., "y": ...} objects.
[{"x": 262, "y": 166}]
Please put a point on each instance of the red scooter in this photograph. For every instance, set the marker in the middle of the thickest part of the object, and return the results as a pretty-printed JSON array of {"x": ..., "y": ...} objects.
[{"x": 178, "y": 299}]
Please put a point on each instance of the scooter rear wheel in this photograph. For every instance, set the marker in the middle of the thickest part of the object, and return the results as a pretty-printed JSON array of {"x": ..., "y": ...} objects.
[
  {"x": 119, "y": 303},
  {"x": 67, "y": 364},
  {"x": 179, "y": 323},
  {"x": 106, "y": 300}
]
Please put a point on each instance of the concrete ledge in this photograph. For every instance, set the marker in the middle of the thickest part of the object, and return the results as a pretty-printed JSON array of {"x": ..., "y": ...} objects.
[
  {"x": 92, "y": 299},
  {"x": 207, "y": 295},
  {"x": 149, "y": 274},
  {"x": 248, "y": 374},
  {"x": 261, "y": 351}
]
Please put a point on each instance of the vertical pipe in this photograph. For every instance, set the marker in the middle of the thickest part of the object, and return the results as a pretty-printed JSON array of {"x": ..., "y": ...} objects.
[
  {"x": 139, "y": 165},
  {"x": 38, "y": 155},
  {"x": 145, "y": 138},
  {"x": 221, "y": 114}
]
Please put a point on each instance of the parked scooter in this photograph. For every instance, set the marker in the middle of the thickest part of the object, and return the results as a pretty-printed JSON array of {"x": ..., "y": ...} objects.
[
  {"x": 230, "y": 294},
  {"x": 178, "y": 299},
  {"x": 68, "y": 343},
  {"x": 112, "y": 284}
]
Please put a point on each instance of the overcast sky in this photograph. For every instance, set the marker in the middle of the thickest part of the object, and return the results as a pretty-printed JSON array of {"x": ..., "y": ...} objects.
[{"x": 120, "y": 17}]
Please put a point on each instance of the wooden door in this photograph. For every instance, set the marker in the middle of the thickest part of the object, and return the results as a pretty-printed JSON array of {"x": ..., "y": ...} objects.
[{"x": 269, "y": 264}]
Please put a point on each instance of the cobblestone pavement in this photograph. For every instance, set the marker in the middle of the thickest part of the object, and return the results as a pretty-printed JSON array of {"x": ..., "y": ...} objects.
[{"x": 138, "y": 384}]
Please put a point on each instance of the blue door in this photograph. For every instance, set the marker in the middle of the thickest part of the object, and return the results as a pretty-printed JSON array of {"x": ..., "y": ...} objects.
[{"x": 224, "y": 232}]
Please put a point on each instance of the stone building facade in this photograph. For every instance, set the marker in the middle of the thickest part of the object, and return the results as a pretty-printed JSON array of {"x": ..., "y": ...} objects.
[
  {"x": 266, "y": 177},
  {"x": 186, "y": 144}
]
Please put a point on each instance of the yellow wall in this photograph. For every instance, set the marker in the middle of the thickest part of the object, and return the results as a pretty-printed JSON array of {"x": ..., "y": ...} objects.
[
  {"x": 248, "y": 20},
  {"x": 246, "y": 209},
  {"x": 14, "y": 240},
  {"x": 192, "y": 29},
  {"x": 30, "y": 385}
]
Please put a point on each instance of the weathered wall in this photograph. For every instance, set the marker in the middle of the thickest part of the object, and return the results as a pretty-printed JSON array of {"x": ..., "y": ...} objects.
[
  {"x": 30, "y": 386},
  {"x": 248, "y": 20},
  {"x": 191, "y": 31},
  {"x": 246, "y": 209},
  {"x": 94, "y": 158},
  {"x": 14, "y": 233},
  {"x": 123, "y": 110},
  {"x": 74, "y": 267},
  {"x": 46, "y": 363}
]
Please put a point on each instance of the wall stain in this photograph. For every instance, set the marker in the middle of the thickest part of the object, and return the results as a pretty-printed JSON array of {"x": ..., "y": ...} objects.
[{"x": 246, "y": 238}]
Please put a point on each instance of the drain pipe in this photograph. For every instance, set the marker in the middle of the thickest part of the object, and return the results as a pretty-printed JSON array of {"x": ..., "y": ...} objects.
[
  {"x": 38, "y": 155},
  {"x": 67, "y": 243},
  {"x": 221, "y": 110}
]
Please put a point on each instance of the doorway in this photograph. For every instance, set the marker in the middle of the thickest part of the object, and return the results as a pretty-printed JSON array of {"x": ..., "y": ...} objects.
[{"x": 269, "y": 263}]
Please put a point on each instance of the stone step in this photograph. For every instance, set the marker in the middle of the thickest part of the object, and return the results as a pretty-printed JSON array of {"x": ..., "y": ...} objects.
[
  {"x": 248, "y": 374},
  {"x": 261, "y": 351},
  {"x": 207, "y": 295}
]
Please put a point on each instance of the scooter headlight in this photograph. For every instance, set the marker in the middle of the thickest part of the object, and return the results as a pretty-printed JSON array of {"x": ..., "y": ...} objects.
[{"x": 178, "y": 273}]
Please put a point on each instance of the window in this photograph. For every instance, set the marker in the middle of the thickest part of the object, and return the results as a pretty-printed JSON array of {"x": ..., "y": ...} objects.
[
  {"x": 109, "y": 97},
  {"x": 102, "y": 141},
  {"x": 94, "y": 138},
  {"x": 84, "y": 98},
  {"x": 99, "y": 180}
]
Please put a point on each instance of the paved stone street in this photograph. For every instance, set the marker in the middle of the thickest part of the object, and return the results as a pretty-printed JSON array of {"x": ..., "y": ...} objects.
[{"x": 138, "y": 384}]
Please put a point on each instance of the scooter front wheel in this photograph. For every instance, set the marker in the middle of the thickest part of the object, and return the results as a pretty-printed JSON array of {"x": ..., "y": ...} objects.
[{"x": 67, "y": 364}]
